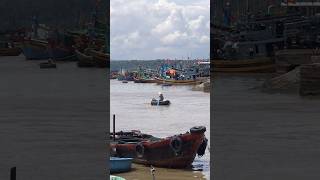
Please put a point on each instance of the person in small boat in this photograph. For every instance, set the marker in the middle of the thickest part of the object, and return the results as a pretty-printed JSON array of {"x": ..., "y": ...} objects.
[{"x": 161, "y": 98}]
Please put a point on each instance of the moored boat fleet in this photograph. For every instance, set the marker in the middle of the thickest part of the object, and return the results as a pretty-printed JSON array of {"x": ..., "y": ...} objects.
[
  {"x": 166, "y": 75},
  {"x": 88, "y": 45}
]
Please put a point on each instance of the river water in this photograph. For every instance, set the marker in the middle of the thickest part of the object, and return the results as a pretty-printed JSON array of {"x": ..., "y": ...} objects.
[
  {"x": 131, "y": 104},
  {"x": 259, "y": 135}
]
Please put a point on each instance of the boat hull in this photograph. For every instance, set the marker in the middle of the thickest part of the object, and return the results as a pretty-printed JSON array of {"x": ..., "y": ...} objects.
[
  {"x": 35, "y": 50},
  {"x": 119, "y": 165},
  {"x": 141, "y": 80},
  {"x": 160, "y": 103},
  {"x": 161, "y": 153},
  {"x": 176, "y": 82},
  {"x": 84, "y": 60},
  {"x": 101, "y": 59},
  {"x": 10, "y": 51},
  {"x": 258, "y": 65}
]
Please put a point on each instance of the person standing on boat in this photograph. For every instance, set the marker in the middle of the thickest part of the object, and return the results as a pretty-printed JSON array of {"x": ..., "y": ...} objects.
[{"x": 161, "y": 98}]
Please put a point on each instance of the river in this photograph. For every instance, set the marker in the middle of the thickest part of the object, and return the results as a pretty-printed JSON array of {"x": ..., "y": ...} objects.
[{"x": 130, "y": 102}]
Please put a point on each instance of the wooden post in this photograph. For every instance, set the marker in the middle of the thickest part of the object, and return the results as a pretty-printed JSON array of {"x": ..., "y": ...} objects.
[
  {"x": 13, "y": 173},
  {"x": 114, "y": 127}
]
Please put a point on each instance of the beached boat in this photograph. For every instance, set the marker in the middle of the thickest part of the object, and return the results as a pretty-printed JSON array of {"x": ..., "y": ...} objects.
[
  {"x": 35, "y": 49},
  {"x": 155, "y": 102},
  {"x": 256, "y": 65},
  {"x": 14, "y": 51},
  {"x": 118, "y": 165},
  {"x": 84, "y": 60},
  {"x": 176, "y": 151}
]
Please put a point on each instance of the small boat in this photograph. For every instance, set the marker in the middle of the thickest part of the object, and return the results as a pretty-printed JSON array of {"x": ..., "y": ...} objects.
[
  {"x": 124, "y": 81},
  {"x": 119, "y": 165},
  {"x": 14, "y": 51},
  {"x": 116, "y": 178},
  {"x": 47, "y": 65},
  {"x": 155, "y": 102},
  {"x": 176, "y": 151}
]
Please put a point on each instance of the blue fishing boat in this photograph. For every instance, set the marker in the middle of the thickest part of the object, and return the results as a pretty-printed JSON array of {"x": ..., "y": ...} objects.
[
  {"x": 118, "y": 165},
  {"x": 35, "y": 49}
]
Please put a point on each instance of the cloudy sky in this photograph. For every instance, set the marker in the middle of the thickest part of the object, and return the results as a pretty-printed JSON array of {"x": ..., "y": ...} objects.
[{"x": 159, "y": 29}]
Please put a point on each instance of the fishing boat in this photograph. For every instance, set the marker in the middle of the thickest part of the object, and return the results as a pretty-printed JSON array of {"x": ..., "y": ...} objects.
[
  {"x": 155, "y": 102},
  {"x": 177, "y": 82},
  {"x": 119, "y": 165},
  {"x": 256, "y": 65},
  {"x": 84, "y": 60},
  {"x": 9, "y": 49},
  {"x": 15, "y": 51},
  {"x": 143, "y": 80},
  {"x": 101, "y": 59},
  {"x": 177, "y": 151},
  {"x": 35, "y": 49}
]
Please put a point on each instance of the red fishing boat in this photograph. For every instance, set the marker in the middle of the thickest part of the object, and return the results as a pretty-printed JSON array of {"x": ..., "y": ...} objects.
[{"x": 176, "y": 151}]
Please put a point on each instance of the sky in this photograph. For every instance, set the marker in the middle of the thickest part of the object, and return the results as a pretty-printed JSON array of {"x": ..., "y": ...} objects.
[{"x": 159, "y": 29}]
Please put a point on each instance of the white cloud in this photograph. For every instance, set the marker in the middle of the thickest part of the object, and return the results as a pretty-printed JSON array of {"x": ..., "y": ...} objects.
[{"x": 152, "y": 29}]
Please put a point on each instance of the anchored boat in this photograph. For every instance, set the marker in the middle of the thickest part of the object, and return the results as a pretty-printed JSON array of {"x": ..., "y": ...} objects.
[
  {"x": 155, "y": 102},
  {"x": 35, "y": 49},
  {"x": 177, "y": 151}
]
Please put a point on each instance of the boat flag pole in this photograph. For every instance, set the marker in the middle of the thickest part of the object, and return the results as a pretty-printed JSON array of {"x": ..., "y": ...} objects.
[
  {"x": 114, "y": 127},
  {"x": 13, "y": 173}
]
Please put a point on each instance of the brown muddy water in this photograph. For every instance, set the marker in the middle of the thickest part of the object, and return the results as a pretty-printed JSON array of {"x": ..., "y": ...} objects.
[
  {"x": 52, "y": 121},
  {"x": 263, "y": 136},
  {"x": 131, "y": 104}
]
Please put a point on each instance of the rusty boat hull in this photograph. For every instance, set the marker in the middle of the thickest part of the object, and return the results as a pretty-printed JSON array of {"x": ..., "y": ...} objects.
[{"x": 177, "y": 151}]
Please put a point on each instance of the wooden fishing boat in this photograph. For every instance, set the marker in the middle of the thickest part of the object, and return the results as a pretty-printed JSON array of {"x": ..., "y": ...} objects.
[
  {"x": 84, "y": 60},
  {"x": 176, "y": 151},
  {"x": 143, "y": 80},
  {"x": 119, "y": 165},
  {"x": 177, "y": 82},
  {"x": 15, "y": 51},
  {"x": 101, "y": 59},
  {"x": 35, "y": 49},
  {"x": 256, "y": 65}
]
